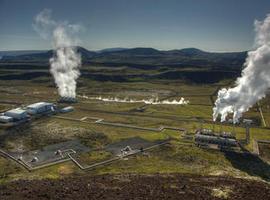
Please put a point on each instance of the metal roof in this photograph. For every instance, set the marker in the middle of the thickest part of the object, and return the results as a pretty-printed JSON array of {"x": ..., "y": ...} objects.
[
  {"x": 67, "y": 108},
  {"x": 39, "y": 105},
  {"x": 5, "y": 117},
  {"x": 18, "y": 111}
]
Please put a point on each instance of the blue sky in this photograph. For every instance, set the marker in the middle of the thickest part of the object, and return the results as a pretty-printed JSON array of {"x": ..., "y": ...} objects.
[{"x": 212, "y": 25}]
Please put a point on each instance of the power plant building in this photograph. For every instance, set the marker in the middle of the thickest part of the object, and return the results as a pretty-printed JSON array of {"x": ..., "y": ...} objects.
[
  {"x": 40, "y": 108},
  {"x": 16, "y": 114},
  {"x": 24, "y": 114},
  {"x": 207, "y": 138}
]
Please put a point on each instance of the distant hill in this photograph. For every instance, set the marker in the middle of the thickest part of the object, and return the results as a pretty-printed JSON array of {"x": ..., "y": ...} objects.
[
  {"x": 19, "y": 52},
  {"x": 144, "y": 56},
  {"x": 111, "y": 50},
  {"x": 44, "y": 56},
  {"x": 182, "y": 57}
]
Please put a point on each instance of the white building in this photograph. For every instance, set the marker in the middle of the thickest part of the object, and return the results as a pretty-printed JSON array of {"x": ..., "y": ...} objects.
[
  {"x": 17, "y": 114},
  {"x": 5, "y": 119},
  {"x": 39, "y": 108}
]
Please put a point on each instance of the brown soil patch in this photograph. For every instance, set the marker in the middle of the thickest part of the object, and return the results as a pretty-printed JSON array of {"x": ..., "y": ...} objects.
[{"x": 173, "y": 186}]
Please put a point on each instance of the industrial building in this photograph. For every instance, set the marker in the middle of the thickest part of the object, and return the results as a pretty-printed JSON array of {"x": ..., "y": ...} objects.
[
  {"x": 17, "y": 114},
  {"x": 40, "y": 108},
  {"x": 206, "y": 138},
  {"x": 14, "y": 116}
]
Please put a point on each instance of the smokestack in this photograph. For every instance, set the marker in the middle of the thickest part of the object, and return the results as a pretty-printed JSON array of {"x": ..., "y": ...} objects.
[
  {"x": 66, "y": 61},
  {"x": 254, "y": 82}
]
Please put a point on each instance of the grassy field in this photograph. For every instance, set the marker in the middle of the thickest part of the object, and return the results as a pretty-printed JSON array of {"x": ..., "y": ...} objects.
[{"x": 180, "y": 156}]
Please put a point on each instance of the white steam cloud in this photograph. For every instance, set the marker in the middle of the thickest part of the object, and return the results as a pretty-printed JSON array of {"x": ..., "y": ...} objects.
[
  {"x": 152, "y": 101},
  {"x": 254, "y": 81},
  {"x": 66, "y": 60}
]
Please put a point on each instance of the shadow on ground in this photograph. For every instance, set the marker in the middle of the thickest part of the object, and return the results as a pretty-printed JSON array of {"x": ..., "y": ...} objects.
[{"x": 249, "y": 163}]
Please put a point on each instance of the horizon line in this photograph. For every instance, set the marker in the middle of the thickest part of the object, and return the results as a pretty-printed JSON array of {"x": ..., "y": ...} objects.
[{"x": 97, "y": 50}]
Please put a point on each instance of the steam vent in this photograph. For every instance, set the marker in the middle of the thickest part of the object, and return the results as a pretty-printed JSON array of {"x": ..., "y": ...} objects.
[{"x": 67, "y": 100}]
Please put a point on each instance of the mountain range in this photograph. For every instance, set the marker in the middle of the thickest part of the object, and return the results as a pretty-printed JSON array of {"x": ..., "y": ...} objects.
[{"x": 138, "y": 56}]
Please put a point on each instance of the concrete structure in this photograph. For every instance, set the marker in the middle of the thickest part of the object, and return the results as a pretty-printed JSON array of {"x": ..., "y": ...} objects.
[
  {"x": 17, "y": 114},
  {"x": 40, "y": 108}
]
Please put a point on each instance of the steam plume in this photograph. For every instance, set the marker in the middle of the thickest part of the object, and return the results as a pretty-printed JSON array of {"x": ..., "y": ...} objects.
[
  {"x": 66, "y": 60},
  {"x": 254, "y": 81},
  {"x": 152, "y": 101}
]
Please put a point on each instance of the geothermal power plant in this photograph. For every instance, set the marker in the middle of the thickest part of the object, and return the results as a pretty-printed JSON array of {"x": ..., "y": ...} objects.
[
  {"x": 24, "y": 114},
  {"x": 146, "y": 122}
]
